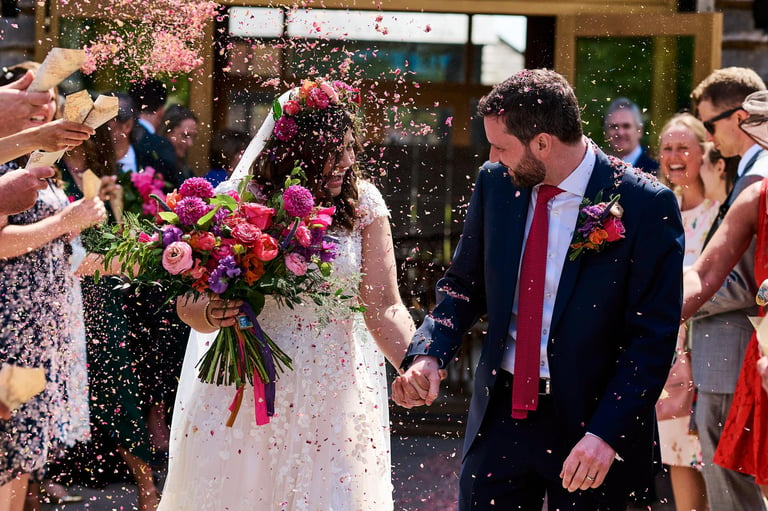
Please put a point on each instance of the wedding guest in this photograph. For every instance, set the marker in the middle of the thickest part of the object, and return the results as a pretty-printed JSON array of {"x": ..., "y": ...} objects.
[
  {"x": 623, "y": 126},
  {"x": 720, "y": 330},
  {"x": 149, "y": 97},
  {"x": 683, "y": 151},
  {"x": 718, "y": 174},
  {"x": 743, "y": 446},
  {"x": 577, "y": 349},
  {"x": 227, "y": 147},
  {"x": 179, "y": 126},
  {"x": 118, "y": 424},
  {"x": 327, "y": 444},
  {"x": 17, "y": 104},
  {"x": 41, "y": 310}
]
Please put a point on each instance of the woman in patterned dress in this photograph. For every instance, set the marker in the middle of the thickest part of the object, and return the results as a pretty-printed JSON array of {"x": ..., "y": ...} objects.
[{"x": 38, "y": 308}]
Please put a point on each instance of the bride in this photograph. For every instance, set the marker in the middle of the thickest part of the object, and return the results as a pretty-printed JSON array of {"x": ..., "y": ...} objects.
[{"x": 327, "y": 447}]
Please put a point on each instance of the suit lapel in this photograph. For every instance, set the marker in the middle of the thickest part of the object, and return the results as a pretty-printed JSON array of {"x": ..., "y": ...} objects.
[{"x": 601, "y": 181}]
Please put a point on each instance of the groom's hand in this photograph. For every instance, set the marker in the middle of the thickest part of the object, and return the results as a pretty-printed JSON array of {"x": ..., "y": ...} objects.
[
  {"x": 587, "y": 464},
  {"x": 420, "y": 385}
]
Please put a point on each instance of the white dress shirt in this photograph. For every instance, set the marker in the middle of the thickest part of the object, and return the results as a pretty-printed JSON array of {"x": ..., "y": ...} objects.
[
  {"x": 563, "y": 212},
  {"x": 632, "y": 157}
]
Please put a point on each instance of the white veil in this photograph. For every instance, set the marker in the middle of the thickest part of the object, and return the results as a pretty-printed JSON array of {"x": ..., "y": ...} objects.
[{"x": 253, "y": 150}]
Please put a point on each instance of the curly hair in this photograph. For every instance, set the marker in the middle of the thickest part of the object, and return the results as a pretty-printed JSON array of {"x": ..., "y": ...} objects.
[{"x": 319, "y": 139}]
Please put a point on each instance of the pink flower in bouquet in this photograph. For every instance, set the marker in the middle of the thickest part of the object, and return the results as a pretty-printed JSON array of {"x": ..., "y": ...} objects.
[
  {"x": 247, "y": 234},
  {"x": 298, "y": 201},
  {"x": 266, "y": 248},
  {"x": 202, "y": 241},
  {"x": 223, "y": 250},
  {"x": 196, "y": 187},
  {"x": 144, "y": 181},
  {"x": 291, "y": 107},
  {"x": 191, "y": 209},
  {"x": 285, "y": 129},
  {"x": 323, "y": 217},
  {"x": 177, "y": 257},
  {"x": 257, "y": 214},
  {"x": 303, "y": 235},
  {"x": 296, "y": 264},
  {"x": 317, "y": 98},
  {"x": 146, "y": 238},
  {"x": 198, "y": 271},
  {"x": 149, "y": 207}
]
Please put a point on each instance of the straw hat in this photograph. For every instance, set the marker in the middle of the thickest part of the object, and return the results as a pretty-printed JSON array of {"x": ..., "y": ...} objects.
[{"x": 756, "y": 125}]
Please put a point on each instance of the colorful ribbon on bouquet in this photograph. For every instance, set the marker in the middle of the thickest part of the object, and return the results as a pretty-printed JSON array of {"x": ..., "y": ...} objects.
[{"x": 263, "y": 393}]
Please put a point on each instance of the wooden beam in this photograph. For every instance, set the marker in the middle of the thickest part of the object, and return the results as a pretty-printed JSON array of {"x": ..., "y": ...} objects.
[{"x": 521, "y": 7}]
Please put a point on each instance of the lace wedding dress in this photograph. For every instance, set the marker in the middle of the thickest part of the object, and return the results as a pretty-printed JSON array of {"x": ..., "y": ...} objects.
[{"x": 327, "y": 448}]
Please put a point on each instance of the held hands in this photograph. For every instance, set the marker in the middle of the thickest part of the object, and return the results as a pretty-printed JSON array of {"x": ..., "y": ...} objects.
[
  {"x": 420, "y": 384},
  {"x": 587, "y": 464},
  {"x": 18, "y": 188},
  {"x": 220, "y": 313}
]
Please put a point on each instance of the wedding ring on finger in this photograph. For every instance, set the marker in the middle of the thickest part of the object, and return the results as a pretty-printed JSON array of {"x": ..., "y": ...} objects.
[{"x": 590, "y": 478}]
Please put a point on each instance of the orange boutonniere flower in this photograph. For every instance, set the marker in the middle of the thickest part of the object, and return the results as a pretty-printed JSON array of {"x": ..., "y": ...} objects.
[{"x": 598, "y": 225}]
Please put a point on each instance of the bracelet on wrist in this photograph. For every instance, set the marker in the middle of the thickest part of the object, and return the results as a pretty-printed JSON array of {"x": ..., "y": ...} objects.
[{"x": 206, "y": 317}]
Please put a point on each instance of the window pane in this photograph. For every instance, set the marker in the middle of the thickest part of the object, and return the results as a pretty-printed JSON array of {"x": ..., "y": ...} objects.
[{"x": 501, "y": 40}]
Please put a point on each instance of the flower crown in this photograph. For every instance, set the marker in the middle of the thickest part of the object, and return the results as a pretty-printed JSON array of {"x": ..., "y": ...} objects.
[{"x": 313, "y": 95}]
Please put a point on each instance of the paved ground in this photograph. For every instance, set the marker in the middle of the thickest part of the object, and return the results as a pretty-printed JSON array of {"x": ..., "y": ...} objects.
[{"x": 425, "y": 475}]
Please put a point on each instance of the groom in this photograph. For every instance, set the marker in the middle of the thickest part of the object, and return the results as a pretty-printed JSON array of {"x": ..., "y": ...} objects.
[{"x": 583, "y": 311}]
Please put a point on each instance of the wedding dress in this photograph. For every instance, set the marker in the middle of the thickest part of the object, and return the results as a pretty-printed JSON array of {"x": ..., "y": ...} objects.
[{"x": 327, "y": 448}]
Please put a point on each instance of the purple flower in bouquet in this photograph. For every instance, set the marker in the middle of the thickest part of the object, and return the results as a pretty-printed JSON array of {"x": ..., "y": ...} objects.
[
  {"x": 227, "y": 269},
  {"x": 285, "y": 129},
  {"x": 196, "y": 187},
  {"x": 191, "y": 209},
  {"x": 298, "y": 201},
  {"x": 329, "y": 251},
  {"x": 171, "y": 234},
  {"x": 218, "y": 219}
]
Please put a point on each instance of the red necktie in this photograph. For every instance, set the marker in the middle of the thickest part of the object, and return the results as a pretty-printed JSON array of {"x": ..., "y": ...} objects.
[{"x": 525, "y": 384}]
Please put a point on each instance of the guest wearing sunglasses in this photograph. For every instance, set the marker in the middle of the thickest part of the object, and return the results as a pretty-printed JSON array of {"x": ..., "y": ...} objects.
[{"x": 720, "y": 330}]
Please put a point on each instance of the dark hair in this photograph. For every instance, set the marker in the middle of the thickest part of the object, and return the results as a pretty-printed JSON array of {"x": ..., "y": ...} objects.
[
  {"x": 320, "y": 138},
  {"x": 148, "y": 95},
  {"x": 226, "y": 145},
  {"x": 174, "y": 115},
  {"x": 534, "y": 101}
]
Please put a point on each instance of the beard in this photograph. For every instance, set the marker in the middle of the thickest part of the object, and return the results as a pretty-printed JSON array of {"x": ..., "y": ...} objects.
[{"x": 528, "y": 172}]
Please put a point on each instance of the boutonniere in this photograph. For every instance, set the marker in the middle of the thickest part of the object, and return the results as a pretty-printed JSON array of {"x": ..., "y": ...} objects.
[{"x": 598, "y": 225}]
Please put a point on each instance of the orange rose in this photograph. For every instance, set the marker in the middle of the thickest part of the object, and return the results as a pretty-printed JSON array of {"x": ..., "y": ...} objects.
[
  {"x": 254, "y": 268},
  {"x": 597, "y": 236},
  {"x": 172, "y": 198}
]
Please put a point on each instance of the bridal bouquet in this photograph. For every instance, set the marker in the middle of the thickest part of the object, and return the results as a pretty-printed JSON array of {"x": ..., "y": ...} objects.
[{"x": 237, "y": 246}]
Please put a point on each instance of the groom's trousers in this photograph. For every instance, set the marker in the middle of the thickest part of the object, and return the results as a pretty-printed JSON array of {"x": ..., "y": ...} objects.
[{"x": 513, "y": 463}]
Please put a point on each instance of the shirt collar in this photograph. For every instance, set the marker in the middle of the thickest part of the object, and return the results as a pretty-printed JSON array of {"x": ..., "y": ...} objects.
[
  {"x": 746, "y": 157},
  {"x": 577, "y": 181},
  {"x": 147, "y": 125},
  {"x": 632, "y": 157}
]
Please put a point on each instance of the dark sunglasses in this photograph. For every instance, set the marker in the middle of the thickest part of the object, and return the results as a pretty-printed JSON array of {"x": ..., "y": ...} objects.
[{"x": 709, "y": 124}]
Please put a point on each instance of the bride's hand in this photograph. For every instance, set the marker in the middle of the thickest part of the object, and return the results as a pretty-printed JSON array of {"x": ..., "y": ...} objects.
[{"x": 220, "y": 313}]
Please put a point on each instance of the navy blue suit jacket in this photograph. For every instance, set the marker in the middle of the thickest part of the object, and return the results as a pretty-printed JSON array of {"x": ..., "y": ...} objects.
[
  {"x": 646, "y": 163},
  {"x": 616, "y": 313}
]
